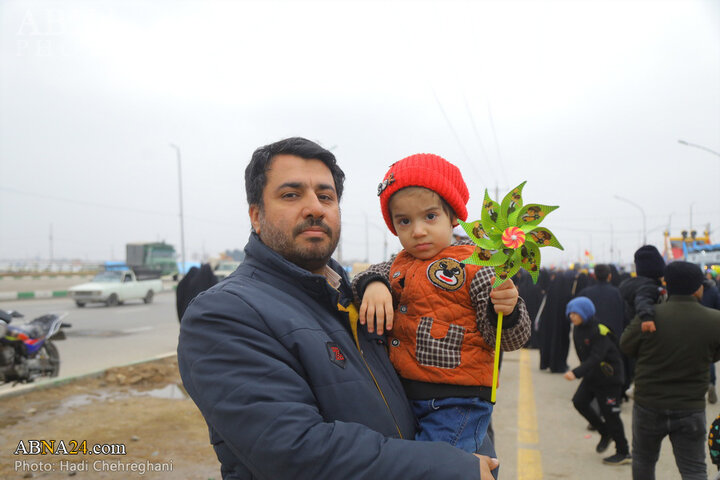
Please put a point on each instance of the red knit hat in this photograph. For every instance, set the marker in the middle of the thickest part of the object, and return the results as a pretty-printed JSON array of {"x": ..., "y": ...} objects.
[{"x": 428, "y": 171}]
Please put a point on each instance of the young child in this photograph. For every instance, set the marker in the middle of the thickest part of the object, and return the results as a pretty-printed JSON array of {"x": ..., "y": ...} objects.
[
  {"x": 440, "y": 314},
  {"x": 601, "y": 370},
  {"x": 641, "y": 293}
]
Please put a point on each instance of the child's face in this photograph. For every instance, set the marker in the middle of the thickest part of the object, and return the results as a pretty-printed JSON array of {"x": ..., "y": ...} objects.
[
  {"x": 423, "y": 227},
  {"x": 575, "y": 318}
]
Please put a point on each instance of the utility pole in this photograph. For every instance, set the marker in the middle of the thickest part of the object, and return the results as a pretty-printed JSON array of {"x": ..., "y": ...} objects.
[
  {"x": 51, "y": 244},
  {"x": 182, "y": 226}
]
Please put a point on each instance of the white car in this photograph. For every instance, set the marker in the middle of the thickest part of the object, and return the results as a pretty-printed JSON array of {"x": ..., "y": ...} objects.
[
  {"x": 115, "y": 287},
  {"x": 225, "y": 268}
]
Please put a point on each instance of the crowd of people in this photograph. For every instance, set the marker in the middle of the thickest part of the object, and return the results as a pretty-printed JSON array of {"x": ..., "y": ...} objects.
[
  {"x": 653, "y": 335},
  {"x": 300, "y": 373}
]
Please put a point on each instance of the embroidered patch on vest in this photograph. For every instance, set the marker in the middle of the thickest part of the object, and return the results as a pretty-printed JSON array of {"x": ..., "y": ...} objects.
[
  {"x": 336, "y": 356},
  {"x": 446, "y": 273}
]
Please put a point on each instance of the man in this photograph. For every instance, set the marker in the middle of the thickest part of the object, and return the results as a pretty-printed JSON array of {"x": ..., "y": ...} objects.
[
  {"x": 609, "y": 304},
  {"x": 671, "y": 375},
  {"x": 289, "y": 385}
]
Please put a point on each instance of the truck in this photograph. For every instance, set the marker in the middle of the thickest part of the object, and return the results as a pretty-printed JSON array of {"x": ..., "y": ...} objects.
[
  {"x": 113, "y": 287},
  {"x": 151, "y": 258}
]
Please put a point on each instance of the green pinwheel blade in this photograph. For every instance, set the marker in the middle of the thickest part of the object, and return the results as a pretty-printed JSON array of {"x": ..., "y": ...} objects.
[
  {"x": 530, "y": 259},
  {"x": 479, "y": 237},
  {"x": 531, "y": 215},
  {"x": 512, "y": 203},
  {"x": 492, "y": 221},
  {"x": 486, "y": 258},
  {"x": 543, "y": 238},
  {"x": 507, "y": 269}
]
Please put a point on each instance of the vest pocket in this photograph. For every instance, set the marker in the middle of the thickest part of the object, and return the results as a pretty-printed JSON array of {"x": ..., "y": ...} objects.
[{"x": 438, "y": 352}]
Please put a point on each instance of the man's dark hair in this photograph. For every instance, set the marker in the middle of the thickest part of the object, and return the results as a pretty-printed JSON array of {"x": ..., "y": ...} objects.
[
  {"x": 256, "y": 171},
  {"x": 602, "y": 272}
]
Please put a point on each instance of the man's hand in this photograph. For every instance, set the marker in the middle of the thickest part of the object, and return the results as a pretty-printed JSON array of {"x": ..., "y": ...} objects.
[
  {"x": 486, "y": 465},
  {"x": 647, "y": 326},
  {"x": 569, "y": 375},
  {"x": 377, "y": 305},
  {"x": 504, "y": 297}
]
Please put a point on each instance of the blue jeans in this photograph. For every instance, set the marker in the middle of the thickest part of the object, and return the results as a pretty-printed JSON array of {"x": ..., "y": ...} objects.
[
  {"x": 461, "y": 422},
  {"x": 687, "y": 436}
]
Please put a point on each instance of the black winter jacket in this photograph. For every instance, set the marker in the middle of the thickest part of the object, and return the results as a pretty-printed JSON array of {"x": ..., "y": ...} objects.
[
  {"x": 273, "y": 366},
  {"x": 597, "y": 349},
  {"x": 640, "y": 295}
]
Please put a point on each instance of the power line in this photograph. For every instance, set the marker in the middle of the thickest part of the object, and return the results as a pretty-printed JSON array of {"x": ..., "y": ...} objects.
[
  {"x": 497, "y": 144},
  {"x": 477, "y": 136},
  {"x": 106, "y": 206},
  {"x": 455, "y": 134}
]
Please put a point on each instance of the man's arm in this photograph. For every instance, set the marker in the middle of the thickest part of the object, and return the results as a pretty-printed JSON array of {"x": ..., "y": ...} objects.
[
  {"x": 254, "y": 395},
  {"x": 632, "y": 338}
]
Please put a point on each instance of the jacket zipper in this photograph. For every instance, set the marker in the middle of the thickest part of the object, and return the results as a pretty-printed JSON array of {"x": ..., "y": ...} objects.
[{"x": 353, "y": 318}]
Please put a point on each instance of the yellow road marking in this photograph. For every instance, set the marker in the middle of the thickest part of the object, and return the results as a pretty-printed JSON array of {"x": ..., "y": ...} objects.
[{"x": 529, "y": 465}]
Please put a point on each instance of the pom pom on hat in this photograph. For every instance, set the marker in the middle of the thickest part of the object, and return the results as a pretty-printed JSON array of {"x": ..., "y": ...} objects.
[
  {"x": 428, "y": 171},
  {"x": 583, "y": 306},
  {"x": 683, "y": 278},
  {"x": 648, "y": 262}
]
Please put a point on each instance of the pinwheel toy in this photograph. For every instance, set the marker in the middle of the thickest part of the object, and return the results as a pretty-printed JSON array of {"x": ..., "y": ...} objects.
[{"x": 507, "y": 237}]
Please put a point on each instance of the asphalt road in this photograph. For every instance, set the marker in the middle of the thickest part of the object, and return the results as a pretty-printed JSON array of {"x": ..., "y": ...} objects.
[{"x": 538, "y": 433}]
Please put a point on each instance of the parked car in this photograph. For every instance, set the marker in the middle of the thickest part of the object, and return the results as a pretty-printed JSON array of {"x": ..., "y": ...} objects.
[{"x": 115, "y": 287}]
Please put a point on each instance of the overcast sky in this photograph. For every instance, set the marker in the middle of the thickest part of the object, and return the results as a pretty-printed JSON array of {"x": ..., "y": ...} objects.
[{"x": 584, "y": 99}]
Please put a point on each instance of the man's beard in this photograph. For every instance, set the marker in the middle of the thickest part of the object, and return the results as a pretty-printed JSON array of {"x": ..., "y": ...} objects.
[{"x": 311, "y": 257}]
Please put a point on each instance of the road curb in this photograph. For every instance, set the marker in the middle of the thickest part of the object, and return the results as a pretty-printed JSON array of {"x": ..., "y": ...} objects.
[
  {"x": 8, "y": 296},
  {"x": 31, "y": 387}
]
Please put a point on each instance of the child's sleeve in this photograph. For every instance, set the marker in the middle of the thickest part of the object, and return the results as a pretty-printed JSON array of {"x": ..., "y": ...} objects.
[
  {"x": 516, "y": 326},
  {"x": 645, "y": 300},
  {"x": 380, "y": 272}
]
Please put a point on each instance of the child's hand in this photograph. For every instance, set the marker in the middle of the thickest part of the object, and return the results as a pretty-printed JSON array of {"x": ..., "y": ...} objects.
[
  {"x": 647, "y": 326},
  {"x": 377, "y": 305},
  {"x": 504, "y": 297},
  {"x": 569, "y": 375}
]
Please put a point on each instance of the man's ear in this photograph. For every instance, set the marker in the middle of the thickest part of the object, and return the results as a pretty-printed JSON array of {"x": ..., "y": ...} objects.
[{"x": 254, "y": 213}]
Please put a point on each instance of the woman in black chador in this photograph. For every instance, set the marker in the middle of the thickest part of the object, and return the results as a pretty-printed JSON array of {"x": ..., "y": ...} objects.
[{"x": 554, "y": 329}]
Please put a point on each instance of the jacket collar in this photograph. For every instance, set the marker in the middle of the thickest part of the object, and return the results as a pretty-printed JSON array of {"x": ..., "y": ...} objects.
[
  {"x": 264, "y": 258},
  {"x": 683, "y": 298}
]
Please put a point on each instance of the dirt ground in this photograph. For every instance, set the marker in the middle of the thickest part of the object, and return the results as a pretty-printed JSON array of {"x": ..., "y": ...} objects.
[{"x": 141, "y": 409}]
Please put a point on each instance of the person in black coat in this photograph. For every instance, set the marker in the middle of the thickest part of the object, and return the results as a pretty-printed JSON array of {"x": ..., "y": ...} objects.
[
  {"x": 601, "y": 371},
  {"x": 554, "y": 329},
  {"x": 533, "y": 295},
  {"x": 609, "y": 304},
  {"x": 196, "y": 280},
  {"x": 640, "y": 295},
  {"x": 711, "y": 299}
]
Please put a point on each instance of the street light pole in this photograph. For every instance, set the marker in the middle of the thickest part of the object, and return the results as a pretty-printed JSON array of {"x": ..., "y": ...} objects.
[
  {"x": 182, "y": 226},
  {"x": 683, "y": 142},
  {"x": 641, "y": 211}
]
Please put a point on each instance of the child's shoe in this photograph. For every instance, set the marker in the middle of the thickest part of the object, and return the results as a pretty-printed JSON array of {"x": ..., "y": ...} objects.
[
  {"x": 618, "y": 459},
  {"x": 603, "y": 443}
]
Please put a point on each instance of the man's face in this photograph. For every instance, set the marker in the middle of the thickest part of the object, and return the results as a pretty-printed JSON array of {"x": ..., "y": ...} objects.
[{"x": 300, "y": 217}]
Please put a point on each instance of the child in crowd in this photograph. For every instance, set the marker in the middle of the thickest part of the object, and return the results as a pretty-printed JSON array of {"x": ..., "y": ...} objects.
[
  {"x": 641, "y": 293},
  {"x": 601, "y": 371},
  {"x": 440, "y": 314}
]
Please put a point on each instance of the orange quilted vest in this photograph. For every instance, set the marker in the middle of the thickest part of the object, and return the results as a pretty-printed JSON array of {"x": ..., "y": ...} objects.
[{"x": 435, "y": 336}]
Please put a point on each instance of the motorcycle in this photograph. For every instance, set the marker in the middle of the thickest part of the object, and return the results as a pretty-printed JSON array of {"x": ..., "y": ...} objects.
[{"x": 26, "y": 351}]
